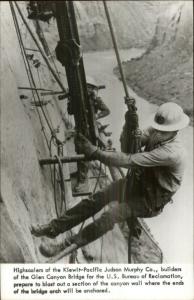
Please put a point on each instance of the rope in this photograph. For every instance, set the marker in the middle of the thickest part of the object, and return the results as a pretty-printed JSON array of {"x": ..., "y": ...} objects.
[
  {"x": 34, "y": 92},
  {"x": 95, "y": 187},
  {"x": 116, "y": 49},
  {"x": 130, "y": 116},
  {"x": 73, "y": 256},
  {"x": 62, "y": 185},
  {"x": 48, "y": 121},
  {"x": 101, "y": 248},
  {"x": 57, "y": 79},
  {"x": 30, "y": 75},
  {"x": 46, "y": 110},
  {"x": 50, "y": 54},
  {"x": 94, "y": 190},
  {"x": 27, "y": 66},
  {"x": 39, "y": 47},
  {"x": 32, "y": 81},
  {"x": 55, "y": 175},
  {"x": 98, "y": 179}
]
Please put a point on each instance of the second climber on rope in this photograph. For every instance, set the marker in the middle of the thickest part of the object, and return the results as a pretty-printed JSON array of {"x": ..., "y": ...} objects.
[{"x": 158, "y": 175}]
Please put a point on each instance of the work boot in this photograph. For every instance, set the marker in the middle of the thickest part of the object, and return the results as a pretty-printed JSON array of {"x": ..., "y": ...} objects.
[
  {"x": 52, "y": 249},
  {"x": 44, "y": 230}
]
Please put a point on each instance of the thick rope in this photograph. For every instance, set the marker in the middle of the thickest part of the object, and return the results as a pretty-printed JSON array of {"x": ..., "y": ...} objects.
[
  {"x": 61, "y": 178},
  {"x": 50, "y": 54},
  {"x": 27, "y": 66},
  {"x": 31, "y": 81},
  {"x": 39, "y": 47}
]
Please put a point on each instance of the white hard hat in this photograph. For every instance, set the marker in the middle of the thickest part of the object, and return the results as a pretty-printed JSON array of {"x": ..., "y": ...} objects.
[{"x": 169, "y": 117}]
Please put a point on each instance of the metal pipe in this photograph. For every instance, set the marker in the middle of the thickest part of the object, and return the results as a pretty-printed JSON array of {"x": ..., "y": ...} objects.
[
  {"x": 33, "y": 89},
  {"x": 52, "y": 93},
  {"x": 40, "y": 49},
  {"x": 116, "y": 49},
  {"x": 29, "y": 49},
  {"x": 69, "y": 54},
  {"x": 65, "y": 159}
]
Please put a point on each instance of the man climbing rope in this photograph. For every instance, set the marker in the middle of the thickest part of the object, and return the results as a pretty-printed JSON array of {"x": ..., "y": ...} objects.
[{"x": 158, "y": 175}]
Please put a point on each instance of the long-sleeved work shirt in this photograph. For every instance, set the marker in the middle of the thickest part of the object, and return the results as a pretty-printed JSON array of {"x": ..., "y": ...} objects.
[
  {"x": 167, "y": 161},
  {"x": 163, "y": 167}
]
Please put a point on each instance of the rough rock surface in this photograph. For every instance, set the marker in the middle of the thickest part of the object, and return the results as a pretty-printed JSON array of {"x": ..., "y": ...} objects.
[
  {"x": 133, "y": 22},
  {"x": 165, "y": 71},
  {"x": 26, "y": 190}
]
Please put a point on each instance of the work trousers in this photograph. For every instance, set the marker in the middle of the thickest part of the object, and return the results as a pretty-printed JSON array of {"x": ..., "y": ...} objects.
[{"x": 120, "y": 209}]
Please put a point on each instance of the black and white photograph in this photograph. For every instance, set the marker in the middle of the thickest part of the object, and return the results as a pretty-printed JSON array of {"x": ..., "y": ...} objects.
[{"x": 96, "y": 132}]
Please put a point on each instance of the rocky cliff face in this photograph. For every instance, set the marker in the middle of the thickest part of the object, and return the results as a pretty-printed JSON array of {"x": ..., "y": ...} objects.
[
  {"x": 165, "y": 71},
  {"x": 26, "y": 190},
  {"x": 134, "y": 24}
]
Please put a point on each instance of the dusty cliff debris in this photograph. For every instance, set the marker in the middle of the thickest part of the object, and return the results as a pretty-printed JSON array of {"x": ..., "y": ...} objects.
[{"x": 71, "y": 152}]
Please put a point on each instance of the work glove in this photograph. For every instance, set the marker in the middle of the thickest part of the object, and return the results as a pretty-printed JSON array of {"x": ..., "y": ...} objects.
[{"x": 85, "y": 146}]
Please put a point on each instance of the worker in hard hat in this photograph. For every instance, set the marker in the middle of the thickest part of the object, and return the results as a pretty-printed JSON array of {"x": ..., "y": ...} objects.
[
  {"x": 100, "y": 111},
  {"x": 100, "y": 108},
  {"x": 158, "y": 175}
]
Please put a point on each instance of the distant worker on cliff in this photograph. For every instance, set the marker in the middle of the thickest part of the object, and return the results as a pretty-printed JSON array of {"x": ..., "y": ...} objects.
[
  {"x": 100, "y": 111},
  {"x": 158, "y": 175}
]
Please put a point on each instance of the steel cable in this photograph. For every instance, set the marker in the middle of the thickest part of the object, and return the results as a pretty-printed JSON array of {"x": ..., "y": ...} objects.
[
  {"x": 32, "y": 82},
  {"x": 50, "y": 54},
  {"x": 27, "y": 66}
]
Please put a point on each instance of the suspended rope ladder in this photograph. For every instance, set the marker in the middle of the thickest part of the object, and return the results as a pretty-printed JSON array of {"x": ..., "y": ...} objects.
[{"x": 58, "y": 174}]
